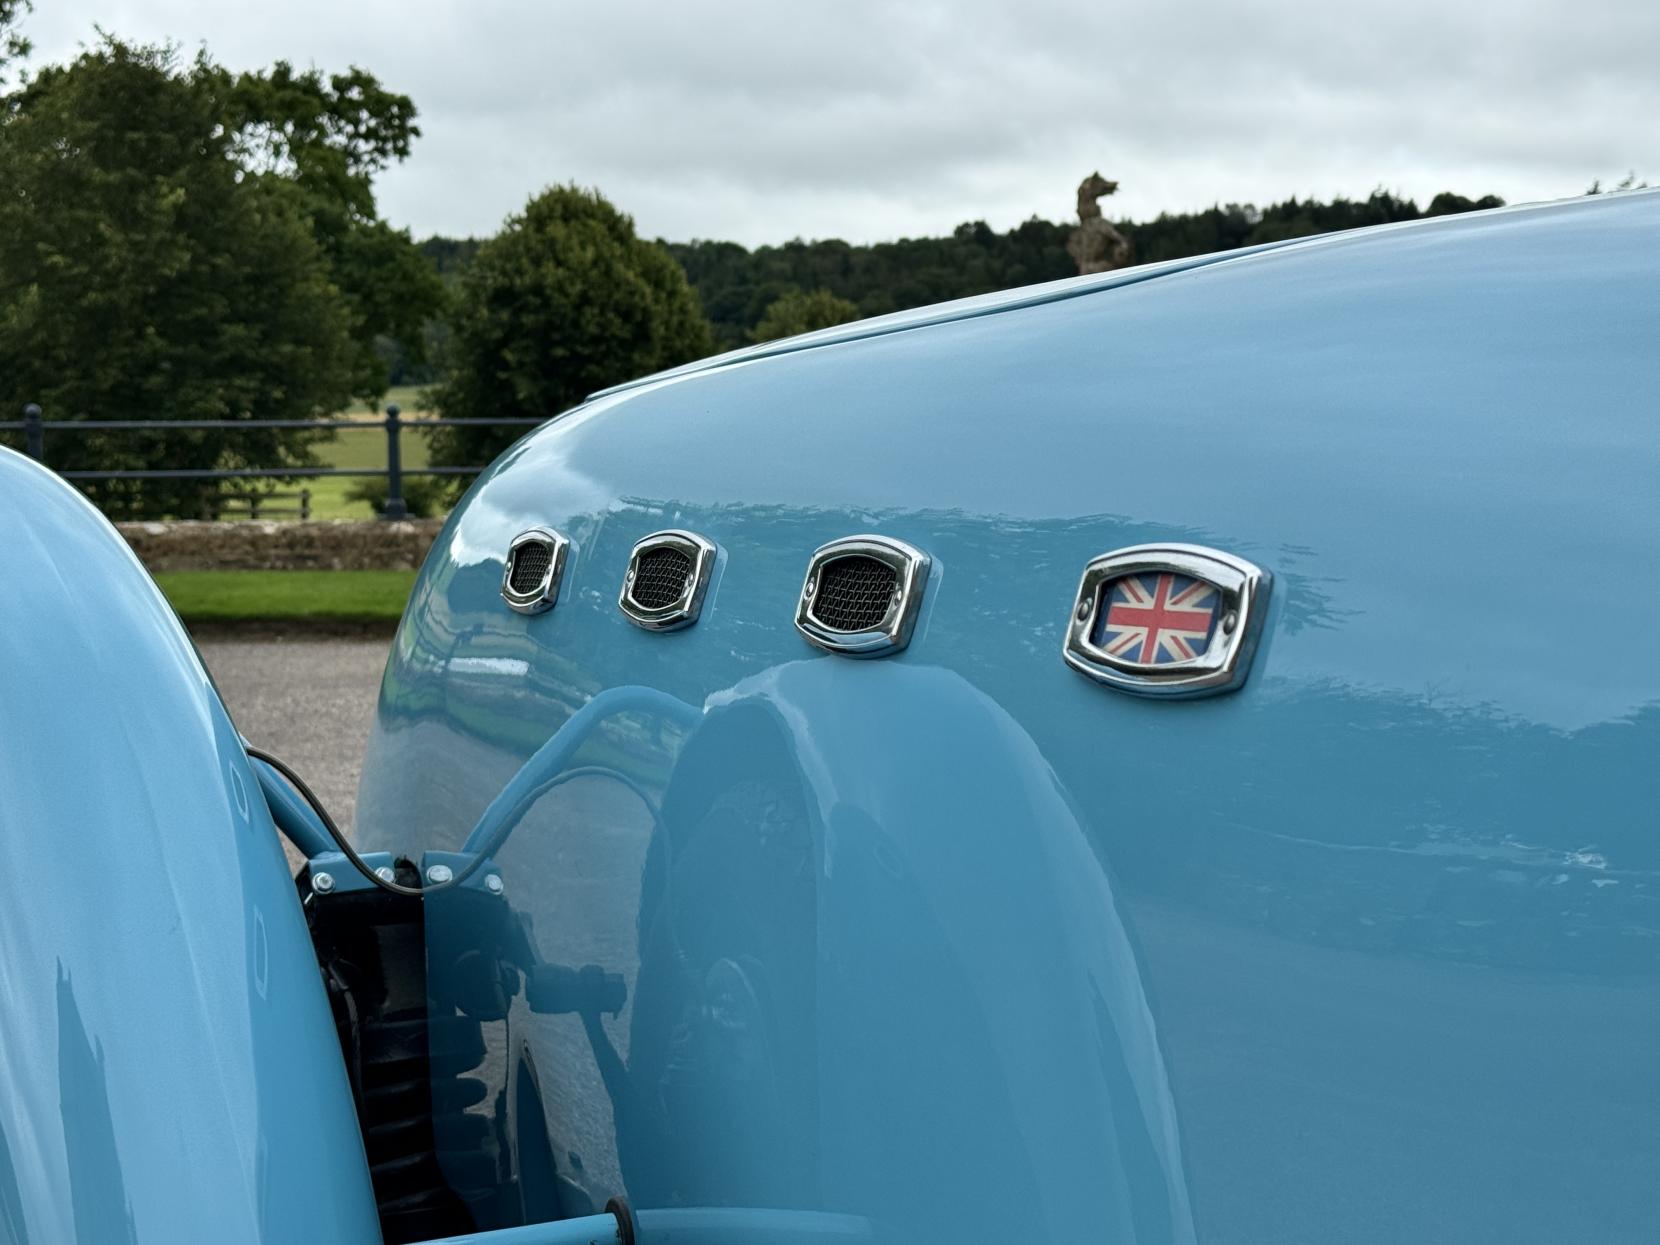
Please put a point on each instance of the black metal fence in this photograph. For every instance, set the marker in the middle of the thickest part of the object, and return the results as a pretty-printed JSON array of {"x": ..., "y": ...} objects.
[{"x": 34, "y": 427}]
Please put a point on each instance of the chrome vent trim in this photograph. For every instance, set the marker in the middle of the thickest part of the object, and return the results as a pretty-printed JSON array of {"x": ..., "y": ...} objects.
[
  {"x": 646, "y": 599},
  {"x": 531, "y": 572},
  {"x": 842, "y": 627}
]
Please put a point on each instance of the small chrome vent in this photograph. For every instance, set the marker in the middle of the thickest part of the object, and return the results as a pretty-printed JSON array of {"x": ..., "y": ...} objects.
[
  {"x": 861, "y": 595},
  {"x": 530, "y": 576},
  {"x": 668, "y": 574}
]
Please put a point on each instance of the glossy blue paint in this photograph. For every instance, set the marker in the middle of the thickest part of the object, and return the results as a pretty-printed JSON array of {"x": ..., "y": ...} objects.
[
  {"x": 966, "y": 946},
  {"x": 588, "y": 1230},
  {"x": 168, "y": 1066},
  {"x": 743, "y": 1225},
  {"x": 554, "y": 759},
  {"x": 684, "y": 1226}
]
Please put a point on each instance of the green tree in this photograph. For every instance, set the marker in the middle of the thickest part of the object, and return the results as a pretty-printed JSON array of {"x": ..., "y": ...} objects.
[
  {"x": 795, "y": 312},
  {"x": 564, "y": 301},
  {"x": 325, "y": 140},
  {"x": 1447, "y": 203},
  {"x": 13, "y": 45},
  {"x": 145, "y": 275}
]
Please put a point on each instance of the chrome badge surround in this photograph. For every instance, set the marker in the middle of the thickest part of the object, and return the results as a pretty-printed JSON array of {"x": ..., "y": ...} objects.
[
  {"x": 546, "y": 592},
  {"x": 911, "y": 568},
  {"x": 1243, "y": 589},
  {"x": 684, "y": 611}
]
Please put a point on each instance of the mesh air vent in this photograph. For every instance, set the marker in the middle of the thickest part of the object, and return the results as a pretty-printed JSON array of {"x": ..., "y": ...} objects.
[
  {"x": 660, "y": 578},
  {"x": 530, "y": 563},
  {"x": 854, "y": 593},
  {"x": 861, "y": 595},
  {"x": 534, "y": 565},
  {"x": 668, "y": 573}
]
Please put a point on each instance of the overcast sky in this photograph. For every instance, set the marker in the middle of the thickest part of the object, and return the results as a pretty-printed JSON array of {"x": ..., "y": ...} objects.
[{"x": 761, "y": 122}]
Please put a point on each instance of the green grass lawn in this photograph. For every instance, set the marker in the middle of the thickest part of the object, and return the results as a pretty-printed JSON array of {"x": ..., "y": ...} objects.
[
  {"x": 358, "y": 447},
  {"x": 288, "y": 596},
  {"x": 408, "y": 398}
]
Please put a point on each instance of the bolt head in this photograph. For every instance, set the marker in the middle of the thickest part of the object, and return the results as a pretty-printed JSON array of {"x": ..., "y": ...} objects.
[
  {"x": 384, "y": 873},
  {"x": 1230, "y": 622},
  {"x": 439, "y": 874},
  {"x": 493, "y": 883},
  {"x": 812, "y": 587},
  {"x": 1083, "y": 609},
  {"x": 322, "y": 883}
]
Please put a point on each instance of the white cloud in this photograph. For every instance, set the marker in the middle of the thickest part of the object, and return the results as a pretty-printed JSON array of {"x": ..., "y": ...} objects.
[{"x": 864, "y": 120}]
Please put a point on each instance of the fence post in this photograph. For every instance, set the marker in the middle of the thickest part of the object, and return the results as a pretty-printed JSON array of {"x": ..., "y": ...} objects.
[
  {"x": 34, "y": 433},
  {"x": 395, "y": 509},
  {"x": 305, "y": 503}
]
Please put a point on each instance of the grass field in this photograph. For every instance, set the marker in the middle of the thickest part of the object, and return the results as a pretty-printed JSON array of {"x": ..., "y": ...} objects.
[
  {"x": 365, "y": 448},
  {"x": 408, "y": 398},
  {"x": 354, "y": 447},
  {"x": 325, "y": 596}
]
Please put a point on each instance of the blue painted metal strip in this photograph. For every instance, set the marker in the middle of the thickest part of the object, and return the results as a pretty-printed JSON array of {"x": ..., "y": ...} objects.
[
  {"x": 292, "y": 814},
  {"x": 589, "y": 1230},
  {"x": 731, "y": 1225},
  {"x": 550, "y": 760}
]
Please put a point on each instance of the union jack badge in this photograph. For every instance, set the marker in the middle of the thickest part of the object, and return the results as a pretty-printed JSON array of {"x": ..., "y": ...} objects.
[{"x": 1167, "y": 620}]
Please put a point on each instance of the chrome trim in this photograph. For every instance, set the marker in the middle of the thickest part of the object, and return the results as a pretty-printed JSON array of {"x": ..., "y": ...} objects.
[
  {"x": 546, "y": 593},
  {"x": 683, "y": 612},
  {"x": 911, "y": 565},
  {"x": 1242, "y": 586}
]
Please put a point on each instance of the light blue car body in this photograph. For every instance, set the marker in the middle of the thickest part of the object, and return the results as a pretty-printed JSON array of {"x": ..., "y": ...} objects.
[
  {"x": 952, "y": 945},
  {"x": 168, "y": 1068},
  {"x": 968, "y": 947}
]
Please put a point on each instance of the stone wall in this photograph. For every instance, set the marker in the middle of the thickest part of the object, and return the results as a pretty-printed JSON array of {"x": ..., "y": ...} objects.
[{"x": 333, "y": 544}]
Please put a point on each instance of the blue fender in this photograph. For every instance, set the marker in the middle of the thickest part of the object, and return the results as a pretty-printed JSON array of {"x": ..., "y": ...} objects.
[
  {"x": 169, "y": 1070},
  {"x": 839, "y": 883},
  {"x": 774, "y": 1018}
]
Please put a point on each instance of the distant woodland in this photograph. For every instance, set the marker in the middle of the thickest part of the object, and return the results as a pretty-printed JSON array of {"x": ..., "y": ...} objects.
[{"x": 736, "y": 285}]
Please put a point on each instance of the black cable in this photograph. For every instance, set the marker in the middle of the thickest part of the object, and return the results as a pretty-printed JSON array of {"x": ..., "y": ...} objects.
[{"x": 350, "y": 853}]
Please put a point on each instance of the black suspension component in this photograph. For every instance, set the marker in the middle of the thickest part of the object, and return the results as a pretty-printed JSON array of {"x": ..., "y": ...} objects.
[{"x": 371, "y": 946}]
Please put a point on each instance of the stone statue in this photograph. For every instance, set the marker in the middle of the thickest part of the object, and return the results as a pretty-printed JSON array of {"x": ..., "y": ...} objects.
[{"x": 1095, "y": 246}]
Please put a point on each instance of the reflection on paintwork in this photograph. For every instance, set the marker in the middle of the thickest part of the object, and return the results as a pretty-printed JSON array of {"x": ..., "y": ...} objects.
[
  {"x": 753, "y": 952},
  {"x": 97, "y": 1193},
  {"x": 961, "y": 944}
]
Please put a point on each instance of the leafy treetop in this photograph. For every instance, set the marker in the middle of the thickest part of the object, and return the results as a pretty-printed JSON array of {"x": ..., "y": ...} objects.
[
  {"x": 564, "y": 301},
  {"x": 180, "y": 242},
  {"x": 795, "y": 312},
  {"x": 325, "y": 139},
  {"x": 13, "y": 45},
  {"x": 143, "y": 276}
]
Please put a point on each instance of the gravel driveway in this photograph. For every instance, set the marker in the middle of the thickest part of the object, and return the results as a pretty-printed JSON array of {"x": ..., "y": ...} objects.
[{"x": 311, "y": 701}]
